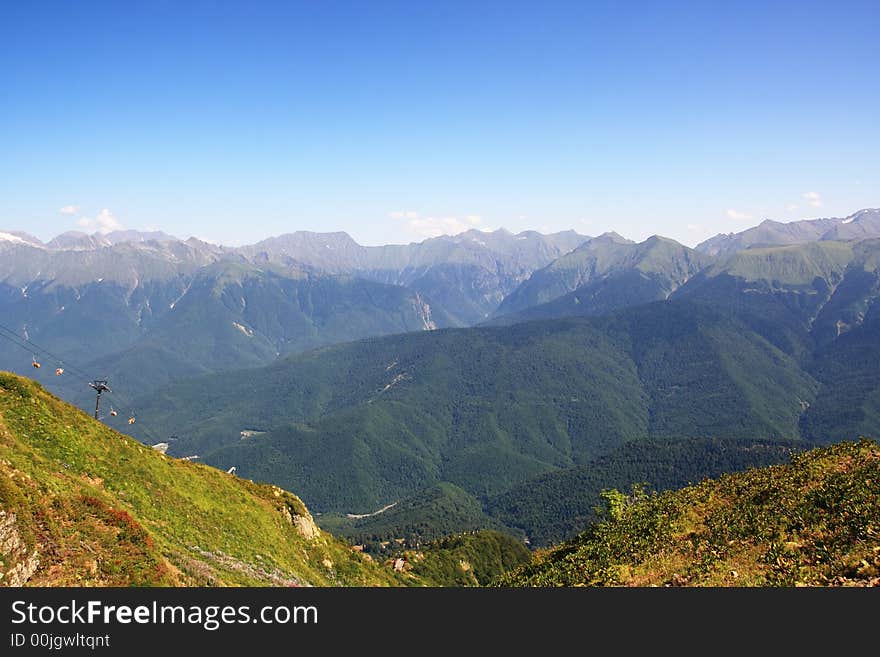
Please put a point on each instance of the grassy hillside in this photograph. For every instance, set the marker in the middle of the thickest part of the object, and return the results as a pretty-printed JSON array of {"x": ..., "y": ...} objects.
[
  {"x": 356, "y": 427},
  {"x": 558, "y": 505},
  {"x": 788, "y": 266},
  {"x": 813, "y": 522},
  {"x": 83, "y": 505}
]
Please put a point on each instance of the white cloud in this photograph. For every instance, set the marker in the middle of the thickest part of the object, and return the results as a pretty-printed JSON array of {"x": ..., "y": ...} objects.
[
  {"x": 404, "y": 214},
  {"x": 736, "y": 214},
  {"x": 437, "y": 226},
  {"x": 68, "y": 209},
  {"x": 425, "y": 227},
  {"x": 696, "y": 228},
  {"x": 105, "y": 222},
  {"x": 814, "y": 199},
  {"x": 791, "y": 207}
]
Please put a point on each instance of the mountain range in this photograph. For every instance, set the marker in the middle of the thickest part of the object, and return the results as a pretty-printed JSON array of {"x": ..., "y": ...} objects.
[
  {"x": 859, "y": 225},
  {"x": 144, "y": 308},
  {"x": 464, "y": 377}
]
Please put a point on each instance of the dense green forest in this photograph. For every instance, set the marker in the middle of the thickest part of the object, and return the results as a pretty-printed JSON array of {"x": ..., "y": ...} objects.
[
  {"x": 442, "y": 510},
  {"x": 356, "y": 427},
  {"x": 558, "y": 504},
  {"x": 471, "y": 559}
]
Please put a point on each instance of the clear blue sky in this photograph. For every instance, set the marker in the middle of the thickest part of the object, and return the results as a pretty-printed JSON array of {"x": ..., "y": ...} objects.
[{"x": 234, "y": 121}]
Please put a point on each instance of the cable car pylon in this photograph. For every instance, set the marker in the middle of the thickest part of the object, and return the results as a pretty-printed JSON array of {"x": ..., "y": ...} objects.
[{"x": 100, "y": 386}]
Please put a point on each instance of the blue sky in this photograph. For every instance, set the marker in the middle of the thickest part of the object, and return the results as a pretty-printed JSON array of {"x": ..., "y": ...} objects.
[{"x": 394, "y": 121}]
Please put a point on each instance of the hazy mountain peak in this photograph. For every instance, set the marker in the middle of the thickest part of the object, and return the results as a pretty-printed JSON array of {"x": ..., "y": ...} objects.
[
  {"x": 19, "y": 237},
  {"x": 196, "y": 242},
  {"x": 79, "y": 241},
  {"x": 9, "y": 237},
  {"x": 312, "y": 234},
  {"x": 120, "y": 236},
  {"x": 655, "y": 239},
  {"x": 609, "y": 237},
  {"x": 861, "y": 214},
  {"x": 305, "y": 238},
  {"x": 859, "y": 225},
  {"x": 585, "y": 279}
]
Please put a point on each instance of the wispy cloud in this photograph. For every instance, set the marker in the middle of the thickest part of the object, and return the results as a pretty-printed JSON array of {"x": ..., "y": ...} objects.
[
  {"x": 69, "y": 210},
  {"x": 791, "y": 207},
  {"x": 426, "y": 227},
  {"x": 105, "y": 222},
  {"x": 403, "y": 214},
  {"x": 736, "y": 214},
  {"x": 814, "y": 199}
]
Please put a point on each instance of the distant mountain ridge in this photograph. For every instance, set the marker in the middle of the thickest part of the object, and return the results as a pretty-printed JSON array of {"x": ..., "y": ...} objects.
[
  {"x": 309, "y": 247},
  {"x": 468, "y": 274},
  {"x": 859, "y": 225},
  {"x": 147, "y": 308},
  {"x": 603, "y": 274}
]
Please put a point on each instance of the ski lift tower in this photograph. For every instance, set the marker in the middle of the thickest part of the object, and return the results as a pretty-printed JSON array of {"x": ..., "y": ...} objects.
[{"x": 100, "y": 386}]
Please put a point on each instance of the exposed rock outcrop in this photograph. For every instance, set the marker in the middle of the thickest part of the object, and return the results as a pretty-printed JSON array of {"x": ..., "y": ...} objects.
[{"x": 17, "y": 563}]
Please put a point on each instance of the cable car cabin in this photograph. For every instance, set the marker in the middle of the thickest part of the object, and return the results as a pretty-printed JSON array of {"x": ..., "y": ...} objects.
[
  {"x": 59, "y": 371},
  {"x": 131, "y": 420},
  {"x": 35, "y": 363},
  {"x": 113, "y": 413}
]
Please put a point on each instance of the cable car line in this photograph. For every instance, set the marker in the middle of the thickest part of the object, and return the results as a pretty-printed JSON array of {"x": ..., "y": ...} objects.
[{"x": 99, "y": 385}]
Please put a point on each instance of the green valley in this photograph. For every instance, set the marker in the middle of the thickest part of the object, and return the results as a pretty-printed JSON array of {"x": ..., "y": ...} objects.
[{"x": 359, "y": 426}]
